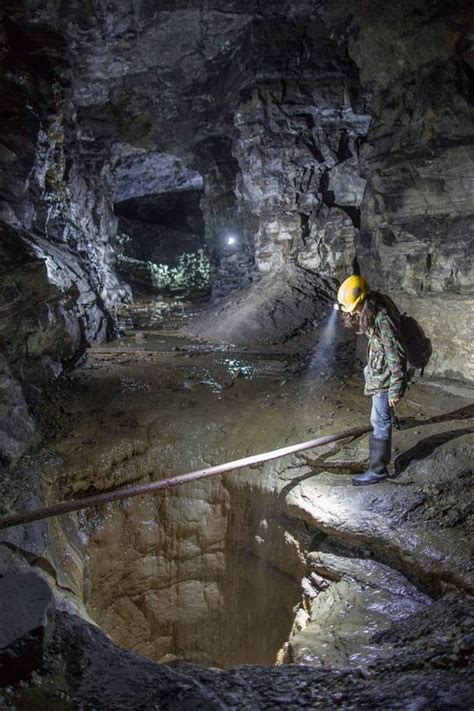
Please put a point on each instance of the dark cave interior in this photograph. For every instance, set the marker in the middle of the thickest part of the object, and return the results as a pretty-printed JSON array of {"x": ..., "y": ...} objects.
[
  {"x": 163, "y": 250},
  {"x": 183, "y": 187}
]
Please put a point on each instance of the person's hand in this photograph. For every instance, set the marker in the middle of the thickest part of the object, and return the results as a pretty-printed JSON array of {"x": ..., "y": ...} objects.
[{"x": 394, "y": 401}]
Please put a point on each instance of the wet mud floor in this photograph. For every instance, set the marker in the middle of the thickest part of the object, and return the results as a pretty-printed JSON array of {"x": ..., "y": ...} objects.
[{"x": 282, "y": 562}]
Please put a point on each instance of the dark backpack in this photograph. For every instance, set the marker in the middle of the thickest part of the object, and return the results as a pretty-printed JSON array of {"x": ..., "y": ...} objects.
[
  {"x": 412, "y": 338},
  {"x": 417, "y": 346}
]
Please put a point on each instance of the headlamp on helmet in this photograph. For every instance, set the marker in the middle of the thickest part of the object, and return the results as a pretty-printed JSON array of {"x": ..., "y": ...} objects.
[{"x": 351, "y": 293}]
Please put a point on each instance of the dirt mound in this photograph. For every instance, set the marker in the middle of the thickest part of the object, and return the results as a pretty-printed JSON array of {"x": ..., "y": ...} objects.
[{"x": 278, "y": 307}]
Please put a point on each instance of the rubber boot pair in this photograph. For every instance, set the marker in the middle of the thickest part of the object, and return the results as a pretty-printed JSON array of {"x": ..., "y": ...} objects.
[{"x": 380, "y": 452}]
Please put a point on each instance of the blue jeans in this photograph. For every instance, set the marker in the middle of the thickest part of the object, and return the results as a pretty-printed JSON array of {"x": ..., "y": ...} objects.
[{"x": 381, "y": 416}]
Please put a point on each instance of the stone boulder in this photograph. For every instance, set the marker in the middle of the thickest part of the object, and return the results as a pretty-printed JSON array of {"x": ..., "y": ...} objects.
[{"x": 25, "y": 615}]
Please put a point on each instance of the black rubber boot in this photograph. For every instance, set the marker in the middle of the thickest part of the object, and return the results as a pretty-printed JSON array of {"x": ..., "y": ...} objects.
[{"x": 380, "y": 452}]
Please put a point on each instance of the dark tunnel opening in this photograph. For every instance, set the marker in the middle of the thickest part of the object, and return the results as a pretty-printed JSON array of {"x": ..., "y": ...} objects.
[{"x": 162, "y": 250}]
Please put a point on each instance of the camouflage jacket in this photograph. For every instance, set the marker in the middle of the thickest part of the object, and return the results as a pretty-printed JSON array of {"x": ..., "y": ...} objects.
[{"x": 386, "y": 359}]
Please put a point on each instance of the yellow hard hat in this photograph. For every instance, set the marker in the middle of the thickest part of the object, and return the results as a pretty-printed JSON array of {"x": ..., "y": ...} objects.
[{"x": 351, "y": 292}]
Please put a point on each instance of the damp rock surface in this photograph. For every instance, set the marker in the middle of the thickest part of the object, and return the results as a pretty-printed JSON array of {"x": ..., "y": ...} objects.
[
  {"x": 283, "y": 563},
  {"x": 311, "y": 134},
  {"x": 316, "y": 134},
  {"x": 430, "y": 669}
]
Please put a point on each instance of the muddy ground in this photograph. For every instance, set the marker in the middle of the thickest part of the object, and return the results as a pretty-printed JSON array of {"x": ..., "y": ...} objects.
[{"x": 283, "y": 563}]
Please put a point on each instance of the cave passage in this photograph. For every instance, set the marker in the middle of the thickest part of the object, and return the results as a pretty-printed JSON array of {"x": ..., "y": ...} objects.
[
  {"x": 183, "y": 188},
  {"x": 162, "y": 244},
  {"x": 162, "y": 255}
]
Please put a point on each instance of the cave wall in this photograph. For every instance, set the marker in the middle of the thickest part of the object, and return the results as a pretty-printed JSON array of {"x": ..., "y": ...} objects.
[
  {"x": 316, "y": 131},
  {"x": 416, "y": 235},
  {"x": 57, "y": 280},
  {"x": 366, "y": 151},
  {"x": 298, "y": 130},
  {"x": 353, "y": 137}
]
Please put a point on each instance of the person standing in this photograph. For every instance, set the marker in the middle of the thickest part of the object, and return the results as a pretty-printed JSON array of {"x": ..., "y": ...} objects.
[{"x": 376, "y": 316}]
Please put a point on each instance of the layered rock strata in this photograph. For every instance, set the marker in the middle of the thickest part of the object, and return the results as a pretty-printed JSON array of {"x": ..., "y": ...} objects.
[
  {"x": 56, "y": 257},
  {"x": 312, "y": 142},
  {"x": 416, "y": 234}
]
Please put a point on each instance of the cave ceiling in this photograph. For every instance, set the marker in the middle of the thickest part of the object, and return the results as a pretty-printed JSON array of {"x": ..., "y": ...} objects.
[{"x": 159, "y": 79}]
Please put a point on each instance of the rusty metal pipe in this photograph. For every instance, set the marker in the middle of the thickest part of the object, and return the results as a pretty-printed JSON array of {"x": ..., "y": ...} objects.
[{"x": 128, "y": 492}]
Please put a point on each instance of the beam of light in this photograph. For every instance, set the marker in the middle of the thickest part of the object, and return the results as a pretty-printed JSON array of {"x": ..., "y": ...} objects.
[
  {"x": 322, "y": 357},
  {"x": 231, "y": 239}
]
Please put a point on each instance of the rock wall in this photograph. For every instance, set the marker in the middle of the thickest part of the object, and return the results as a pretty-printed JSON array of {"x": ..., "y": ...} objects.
[
  {"x": 416, "y": 234},
  {"x": 56, "y": 225},
  {"x": 182, "y": 596},
  {"x": 298, "y": 131},
  {"x": 359, "y": 143}
]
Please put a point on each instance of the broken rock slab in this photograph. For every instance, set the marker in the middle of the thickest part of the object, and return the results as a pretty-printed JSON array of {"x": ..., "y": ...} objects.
[
  {"x": 345, "y": 614},
  {"x": 17, "y": 428},
  {"x": 26, "y": 607}
]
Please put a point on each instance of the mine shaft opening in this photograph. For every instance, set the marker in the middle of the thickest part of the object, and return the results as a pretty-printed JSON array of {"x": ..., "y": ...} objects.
[
  {"x": 175, "y": 577},
  {"x": 161, "y": 250}
]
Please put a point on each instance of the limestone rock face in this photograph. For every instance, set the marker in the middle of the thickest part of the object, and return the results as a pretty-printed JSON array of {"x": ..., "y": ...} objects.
[
  {"x": 298, "y": 157},
  {"x": 416, "y": 235},
  {"x": 162, "y": 580},
  {"x": 51, "y": 311},
  {"x": 57, "y": 283},
  {"x": 329, "y": 248},
  {"x": 17, "y": 428}
]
